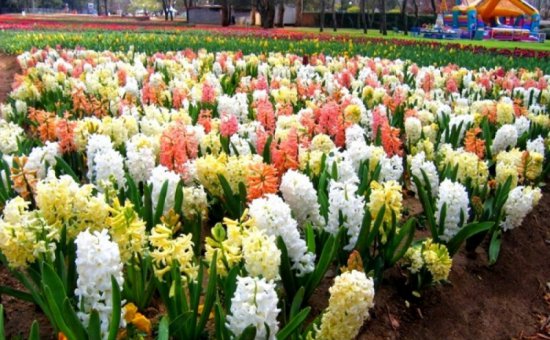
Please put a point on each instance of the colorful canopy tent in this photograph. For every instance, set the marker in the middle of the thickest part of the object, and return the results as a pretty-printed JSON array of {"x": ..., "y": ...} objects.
[{"x": 474, "y": 13}]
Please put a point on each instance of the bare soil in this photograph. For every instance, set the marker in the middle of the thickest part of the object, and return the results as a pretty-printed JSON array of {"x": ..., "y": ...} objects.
[
  {"x": 8, "y": 68},
  {"x": 509, "y": 300}
]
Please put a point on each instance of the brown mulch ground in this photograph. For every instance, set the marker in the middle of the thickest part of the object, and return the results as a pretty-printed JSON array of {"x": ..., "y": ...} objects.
[
  {"x": 508, "y": 300},
  {"x": 8, "y": 68}
]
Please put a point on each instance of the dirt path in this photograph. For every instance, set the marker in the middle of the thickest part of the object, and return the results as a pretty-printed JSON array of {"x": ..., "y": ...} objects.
[
  {"x": 504, "y": 301},
  {"x": 8, "y": 68}
]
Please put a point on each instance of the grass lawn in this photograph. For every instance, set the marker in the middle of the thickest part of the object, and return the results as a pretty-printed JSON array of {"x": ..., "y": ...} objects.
[{"x": 374, "y": 33}]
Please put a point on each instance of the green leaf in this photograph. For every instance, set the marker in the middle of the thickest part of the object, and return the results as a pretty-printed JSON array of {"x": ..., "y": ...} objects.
[
  {"x": 232, "y": 204},
  {"x": 160, "y": 203},
  {"x": 209, "y": 297},
  {"x": 249, "y": 333},
  {"x": 178, "y": 200},
  {"x": 428, "y": 208},
  {"x": 133, "y": 192},
  {"x": 219, "y": 320},
  {"x": 148, "y": 206},
  {"x": 70, "y": 316},
  {"x": 230, "y": 285},
  {"x": 293, "y": 325},
  {"x": 466, "y": 232},
  {"x": 94, "y": 326},
  {"x": 180, "y": 300},
  {"x": 442, "y": 216},
  {"x": 379, "y": 218},
  {"x": 310, "y": 238},
  {"x": 18, "y": 294},
  {"x": 364, "y": 240},
  {"x": 297, "y": 302},
  {"x": 163, "y": 333},
  {"x": 58, "y": 320},
  {"x": 327, "y": 255},
  {"x": 114, "y": 323},
  {"x": 63, "y": 168},
  {"x": 52, "y": 280},
  {"x": 266, "y": 154},
  {"x": 494, "y": 246},
  {"x": 2, "y": 334},
  {"x": 34, "y": 333},
  {"x": 399, "y": 248},
  {"x": 285, "y": 269},
  {"x": 177, "y": 326}
]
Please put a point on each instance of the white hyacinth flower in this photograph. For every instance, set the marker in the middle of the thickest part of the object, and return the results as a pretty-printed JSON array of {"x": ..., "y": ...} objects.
[
  {"x": 455, "y": 198},
  {"x": 273, "y": 216},
  {"x": 97, "y": 260},
  {"x": 254, "y": 304}
]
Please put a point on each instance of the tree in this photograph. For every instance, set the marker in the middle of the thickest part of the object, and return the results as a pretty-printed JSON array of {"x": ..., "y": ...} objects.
[
  {"x": 322, "y": 17},
  {"x": 225, "y": 13},
  {"x": 363, "y": 16},
  {"x": 383, "y": 28},
  {"x": 266, "y": 8},
  {"x": 404, "y": 17},
  {"x": 281, "y": 13},
  {"x": 334, "y": 23},
  {"x": 299, "y": 11},
  {"x": 167, "y": 6},
  {"x": 434, "y": 8},
  {"x": 415, "y": 4},
  {"x": 188, "y": 4}
]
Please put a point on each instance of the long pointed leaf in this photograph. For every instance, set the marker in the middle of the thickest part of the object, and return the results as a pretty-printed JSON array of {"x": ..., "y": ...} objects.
[
  {"x": 210, "y": 296},
  {"x": 466, "y": 232},
  {"x": 116, "y": 310},
  {"x": 293, "y": 325}
]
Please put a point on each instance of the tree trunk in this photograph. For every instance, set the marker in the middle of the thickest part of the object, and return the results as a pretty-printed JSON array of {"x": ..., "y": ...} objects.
[
  {"x": 299, "y": 11},
  {"x": 434, "y": 9},
  {"x": 415, "y": 4},
  {"x": 281, "y": 14},
  {"x": 334, "y": 23},
  {"x": 363, "y": 16},
  {"x": 404, "y": 17},
  {"x": 266, "y": 9},
  {"x": 383, "y": 28},
  {"x": 98, "y": 5},
  {"x": 322, "y": 17},
  {"x": 188, "y": 4},
  {"x": 106, "y": 4},
  {"x": 270, "y": 15},
  {"x": 165, "y": 9},
  {"x": 225, "y": 13},
  {"x": 171, "y": 10},
  {"x": 370, "y": 12},
  {"x": 253, "y": 16}
]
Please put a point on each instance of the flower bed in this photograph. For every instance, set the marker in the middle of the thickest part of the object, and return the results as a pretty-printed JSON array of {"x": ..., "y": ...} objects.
[
  {"x": 224, "y": 186},
  {"x": 18, "y": 34}
]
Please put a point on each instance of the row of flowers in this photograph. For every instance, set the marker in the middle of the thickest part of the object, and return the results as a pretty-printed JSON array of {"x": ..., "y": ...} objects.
[
  {"x": 224, "y": 187},
  {"x": 16, "y": 38}
]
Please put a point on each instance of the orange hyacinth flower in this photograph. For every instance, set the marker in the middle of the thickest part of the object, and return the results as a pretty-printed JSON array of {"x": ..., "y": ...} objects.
[
  {"x": 262, "y": 180},
  {"x": 178, "y": 144},
  {"x": 390, "y": 140},
  {"x": 46, "y": 122},
  {"x": 65, "y": 134},
  {"x": 24, "y": 181},
  {"x": 474, "y": 144},
  {"x": 284, "y": 154}
]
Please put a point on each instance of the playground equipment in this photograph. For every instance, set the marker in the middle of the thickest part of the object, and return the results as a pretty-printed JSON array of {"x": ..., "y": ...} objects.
[{"x": 497, "y": 19}]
